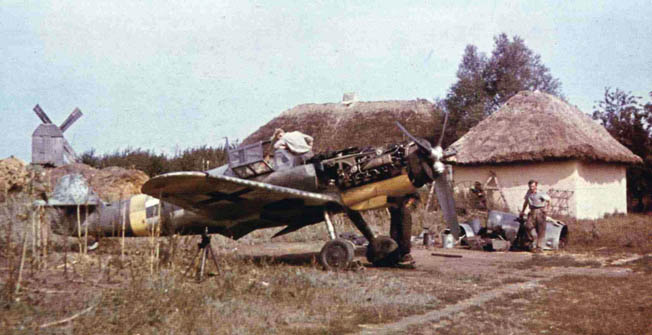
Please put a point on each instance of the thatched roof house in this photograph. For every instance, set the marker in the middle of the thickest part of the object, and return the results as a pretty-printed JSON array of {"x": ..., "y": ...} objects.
[
  {"x": 538, "y": 136},
  {"x": 365, "y": 123}
]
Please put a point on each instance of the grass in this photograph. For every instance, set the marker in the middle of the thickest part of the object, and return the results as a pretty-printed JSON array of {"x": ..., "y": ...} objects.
[
  {"x": 631, "y": 233},
  {"x": 252, "y": 296},
  {"x": 246, "y": 298}
]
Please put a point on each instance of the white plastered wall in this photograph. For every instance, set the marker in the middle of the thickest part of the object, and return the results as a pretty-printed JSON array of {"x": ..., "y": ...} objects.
[
  {"x": 602, "y": 189},
  {"x": 513, "y": 179},
  {"x": 598, "y": 188}
]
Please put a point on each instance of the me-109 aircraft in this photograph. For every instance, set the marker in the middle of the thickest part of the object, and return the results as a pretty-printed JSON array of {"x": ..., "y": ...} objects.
[{"x": 251, "y": 193}]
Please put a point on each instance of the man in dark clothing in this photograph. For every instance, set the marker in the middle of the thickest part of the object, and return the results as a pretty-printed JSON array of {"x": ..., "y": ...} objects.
[
  {"x": 394, "y": 251},
  {"x": 400, "y": 229}
]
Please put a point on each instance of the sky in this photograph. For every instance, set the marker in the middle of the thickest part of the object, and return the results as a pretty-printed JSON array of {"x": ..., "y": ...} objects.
[{"x": 171, "y": 75}]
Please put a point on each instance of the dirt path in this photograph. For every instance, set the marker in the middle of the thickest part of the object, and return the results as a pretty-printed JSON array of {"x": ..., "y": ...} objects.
[{"x": 482, "y": 298}]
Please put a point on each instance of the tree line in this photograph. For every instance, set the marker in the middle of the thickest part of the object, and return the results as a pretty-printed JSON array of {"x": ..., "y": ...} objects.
[{"x": 193, "y": 159}]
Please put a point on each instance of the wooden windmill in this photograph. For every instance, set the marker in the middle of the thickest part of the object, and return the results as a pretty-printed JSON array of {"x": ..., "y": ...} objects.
[{"x": 49, "y": 147}]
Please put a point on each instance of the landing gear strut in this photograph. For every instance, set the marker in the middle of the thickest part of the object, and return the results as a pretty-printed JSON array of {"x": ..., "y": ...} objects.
[{"x": 337, "y": 253}]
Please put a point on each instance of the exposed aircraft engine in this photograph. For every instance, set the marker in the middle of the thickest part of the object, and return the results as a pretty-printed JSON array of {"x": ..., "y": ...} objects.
[{"x": 353, "y": 167}]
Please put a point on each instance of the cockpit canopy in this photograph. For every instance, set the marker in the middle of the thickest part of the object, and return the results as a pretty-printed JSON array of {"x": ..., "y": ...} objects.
[{"x": 248, "y": 161}]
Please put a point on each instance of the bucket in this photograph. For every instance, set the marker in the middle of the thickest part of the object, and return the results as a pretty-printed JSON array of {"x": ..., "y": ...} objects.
[{"x": 447, "y": 240}]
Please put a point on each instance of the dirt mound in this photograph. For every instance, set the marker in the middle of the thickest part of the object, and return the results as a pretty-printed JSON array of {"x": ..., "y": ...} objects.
[
  {"x": 14, "y": 176},
  {"x": 114, "y": 182},
  {"x": 111, "y": 183}
]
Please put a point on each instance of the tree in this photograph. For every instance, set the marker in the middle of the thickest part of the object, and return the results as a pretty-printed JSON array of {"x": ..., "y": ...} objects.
[
  {"x": 467, "y": 98},
  {"x": 630, "y": 122},
  {"x": 484, "y": 84}
]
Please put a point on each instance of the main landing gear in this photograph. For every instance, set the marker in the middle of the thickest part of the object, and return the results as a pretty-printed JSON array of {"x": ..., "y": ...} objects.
[{"x": 337, "y": 254}]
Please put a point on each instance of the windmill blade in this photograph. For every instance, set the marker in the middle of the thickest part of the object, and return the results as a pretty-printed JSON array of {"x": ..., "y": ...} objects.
[
  {"x": 74, "y": 116},
  {"x": 41, "y": 114},
  {"x": 447, "y": 204},
  {"x": 423, "y": 144}
]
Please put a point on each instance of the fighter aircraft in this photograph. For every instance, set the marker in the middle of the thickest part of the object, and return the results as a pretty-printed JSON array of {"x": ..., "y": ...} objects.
[{"x": 251, "y": 192}]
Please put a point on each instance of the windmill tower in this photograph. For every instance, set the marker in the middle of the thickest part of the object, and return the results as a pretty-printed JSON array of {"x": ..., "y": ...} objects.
[{"x": 49, "y": 147}]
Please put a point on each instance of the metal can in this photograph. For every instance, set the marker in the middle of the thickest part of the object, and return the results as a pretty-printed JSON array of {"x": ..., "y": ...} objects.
[{"x": 447, "y": 240}]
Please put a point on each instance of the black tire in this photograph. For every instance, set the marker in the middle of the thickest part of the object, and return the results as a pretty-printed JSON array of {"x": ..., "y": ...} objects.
[
  {"x": 336, "y": 254},
  {"x": 383, "y": 252}
]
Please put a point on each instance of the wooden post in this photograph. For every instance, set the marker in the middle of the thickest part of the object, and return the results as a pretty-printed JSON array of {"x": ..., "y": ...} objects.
[
  {"x": 44, "y": 236},
  {"x": 123, "y": 216},
  {"x": 22, "y": 261},
  {"x": 39, "y": 246},
  {"x": 79, "y": 237},
  {"x": 33, "y": 224},
  {"x": 432, "y": 190},
  {"x": 86, "y": 230},
  {"x": 158, "y": 231},
  {"x": 151, "y": 250}
]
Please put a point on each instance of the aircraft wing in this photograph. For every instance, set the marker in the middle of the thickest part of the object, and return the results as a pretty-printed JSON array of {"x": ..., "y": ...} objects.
[{"x": 235, "y": 200}]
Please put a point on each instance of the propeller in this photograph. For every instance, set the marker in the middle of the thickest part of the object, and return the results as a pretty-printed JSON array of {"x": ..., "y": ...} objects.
[{"x": 436, "y": 171}]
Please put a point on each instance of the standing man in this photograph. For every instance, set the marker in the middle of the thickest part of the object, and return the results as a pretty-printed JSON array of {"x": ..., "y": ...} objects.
[
  {"x": 400, "y": 229},
  {"x": 535, "y": 225}
]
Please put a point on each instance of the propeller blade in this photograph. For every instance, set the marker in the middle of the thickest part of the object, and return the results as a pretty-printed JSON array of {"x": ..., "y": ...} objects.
[
  {"x": 443, "y": 130},
  {"x": 423, "y": 144},
  {"x": 447, "y": 204}
]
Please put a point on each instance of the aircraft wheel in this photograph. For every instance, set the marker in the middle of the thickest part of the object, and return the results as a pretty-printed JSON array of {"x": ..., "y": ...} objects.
[
  {"x": 383, "y": 252},
  {"x": 336, "y": 254}
]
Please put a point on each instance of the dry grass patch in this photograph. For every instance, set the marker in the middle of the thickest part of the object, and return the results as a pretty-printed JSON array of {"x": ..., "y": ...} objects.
[
  {"x": 631, "y": 233},
  {"x": 252, "y": 297}
]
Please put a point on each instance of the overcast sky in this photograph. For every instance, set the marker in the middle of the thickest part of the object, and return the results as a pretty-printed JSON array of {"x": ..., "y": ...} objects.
[{"x": 168, "y": 75}]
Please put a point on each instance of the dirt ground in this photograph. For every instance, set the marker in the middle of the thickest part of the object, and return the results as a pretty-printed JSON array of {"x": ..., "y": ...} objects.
[
  {"x": 511, "y": 283},
  {"x": 277, "y": 287}
]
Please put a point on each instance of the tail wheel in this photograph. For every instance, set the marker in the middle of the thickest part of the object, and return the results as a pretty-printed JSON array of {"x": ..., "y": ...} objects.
[{"x": 336, "y": 254}]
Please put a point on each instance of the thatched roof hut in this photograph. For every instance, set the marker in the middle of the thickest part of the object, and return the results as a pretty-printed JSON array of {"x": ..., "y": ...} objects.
[
  {"x": 365, "y": 123},
  {"x": 538, "y": 136},
  {"x": 535, "y": 127}
]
